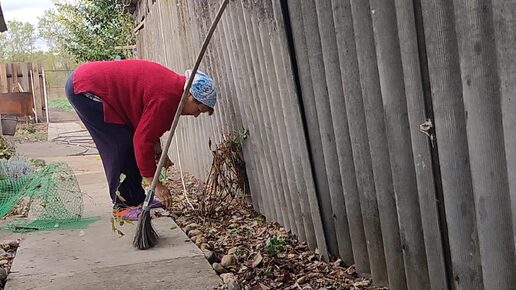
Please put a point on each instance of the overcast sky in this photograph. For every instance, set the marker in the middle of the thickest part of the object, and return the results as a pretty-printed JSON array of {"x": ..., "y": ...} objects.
[{"x": 25, "y": 10}]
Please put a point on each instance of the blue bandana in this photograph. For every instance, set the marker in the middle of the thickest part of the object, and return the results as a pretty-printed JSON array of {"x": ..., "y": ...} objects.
[{"x": 203, "y": 88}]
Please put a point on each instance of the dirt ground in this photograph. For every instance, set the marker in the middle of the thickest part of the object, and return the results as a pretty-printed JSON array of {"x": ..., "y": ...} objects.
[{"x": 29, "y": 132}]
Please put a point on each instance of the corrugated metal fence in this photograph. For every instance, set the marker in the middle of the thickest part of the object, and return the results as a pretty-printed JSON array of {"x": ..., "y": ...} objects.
[{"x": 380, "y": 131}]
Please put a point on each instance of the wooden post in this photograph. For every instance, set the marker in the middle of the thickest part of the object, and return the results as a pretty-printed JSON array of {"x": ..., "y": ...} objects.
[
  {"x": 34, "y": 97},
  {"x": 3, "y": 78},
  {"x": 450, "y": 123},
  {"x": 413, "y": 60},
  {"x": 359, "y": 149},
  {"x": 399, "y": 142},
  {"x": 14, "y": 77},
  {"x": 484, "y": 132},
  {"x": 506, "y": 46},
  {"x": 41, "y": 79},
  {"x": 37, "y": 92},
  {"x": 25, "y": 80},
  {"x": 314, "y": 136},
  {"x": 331, "y": 113},
  {"x": 45, "y": 97},
  {"x": 9, "y": 68}
]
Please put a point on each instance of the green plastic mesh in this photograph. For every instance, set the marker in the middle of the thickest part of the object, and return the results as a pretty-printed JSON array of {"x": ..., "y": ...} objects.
[
  {"x": 11, "y": 193},
  {"x": 50, "y": 198}
]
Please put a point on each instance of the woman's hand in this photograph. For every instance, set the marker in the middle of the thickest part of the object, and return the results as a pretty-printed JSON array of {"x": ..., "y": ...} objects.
[
  {"x": 167, "y": 163},
  {"x": 164, "y": 195}
]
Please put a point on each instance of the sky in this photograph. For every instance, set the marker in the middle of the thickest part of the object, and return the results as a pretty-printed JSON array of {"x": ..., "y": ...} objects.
[{"x": 25, "y": 10}]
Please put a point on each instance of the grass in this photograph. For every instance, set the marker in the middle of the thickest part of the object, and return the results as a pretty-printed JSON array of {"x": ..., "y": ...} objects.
[{"x": 62, "y": 104}]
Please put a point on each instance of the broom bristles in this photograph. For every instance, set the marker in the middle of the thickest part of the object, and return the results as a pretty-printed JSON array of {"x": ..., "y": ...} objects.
[{"x": 146, "y": 237}]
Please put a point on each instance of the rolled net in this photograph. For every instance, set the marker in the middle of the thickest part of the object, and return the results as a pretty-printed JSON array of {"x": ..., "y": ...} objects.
[{"x": 48, "y": 199}]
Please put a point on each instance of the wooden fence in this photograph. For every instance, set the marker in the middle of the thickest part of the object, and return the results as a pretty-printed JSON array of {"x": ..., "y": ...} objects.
[
  {"x": 383, "y": 132},
  {"x": 18, "y": 79},
  {"x": 56, "y": 80}
]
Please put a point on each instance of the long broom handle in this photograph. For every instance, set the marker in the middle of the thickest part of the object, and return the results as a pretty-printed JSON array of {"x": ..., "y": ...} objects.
[{"x": 183, "y": 101}]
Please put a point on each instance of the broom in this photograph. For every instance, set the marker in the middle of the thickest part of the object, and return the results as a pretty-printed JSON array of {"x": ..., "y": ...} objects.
[{"x": 146, "y": 236}]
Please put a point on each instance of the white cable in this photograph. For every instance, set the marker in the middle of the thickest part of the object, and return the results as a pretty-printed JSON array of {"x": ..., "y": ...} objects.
[
  {"x": 185, "y": 192},
  {"x": 182, "y": 177}
]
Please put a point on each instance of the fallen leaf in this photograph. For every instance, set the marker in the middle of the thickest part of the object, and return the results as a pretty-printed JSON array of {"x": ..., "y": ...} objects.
[
  {"x": 238, "y": 226},
  {"x": 258, "y": 259}
]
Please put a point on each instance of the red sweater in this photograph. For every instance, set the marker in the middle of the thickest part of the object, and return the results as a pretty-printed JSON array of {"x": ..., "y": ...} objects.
[{"x": 140, "y": 94}]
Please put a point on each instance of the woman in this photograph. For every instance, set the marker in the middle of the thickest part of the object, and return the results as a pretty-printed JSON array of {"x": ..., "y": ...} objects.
[{"x": 127, "y": 105}]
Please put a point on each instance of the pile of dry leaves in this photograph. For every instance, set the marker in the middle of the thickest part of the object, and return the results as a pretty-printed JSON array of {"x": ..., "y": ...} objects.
[
  {"x": 252, "y": 253},
  {"x": 7, "y": 253}
]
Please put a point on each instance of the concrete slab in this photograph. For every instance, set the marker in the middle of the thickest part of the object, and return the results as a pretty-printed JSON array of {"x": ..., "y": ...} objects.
[
  {"x": 97, "y": 247},
  {"x": 96, "y": 258},
  {"x": 47, "y": 149},
  {"x": 72, "y": 133},
  {"x": 65, "y": 256},
  {"x": 9, "y": 237},
  {"x": 180, "y": 273},
  {"x": 58, "y": 115},
  {"x": 56, "y": 129}
]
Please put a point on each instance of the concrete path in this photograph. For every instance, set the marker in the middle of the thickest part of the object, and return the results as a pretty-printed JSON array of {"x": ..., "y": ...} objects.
[
  {"x": 58, "y": 115},
  {"x": 96, "y": 258}
]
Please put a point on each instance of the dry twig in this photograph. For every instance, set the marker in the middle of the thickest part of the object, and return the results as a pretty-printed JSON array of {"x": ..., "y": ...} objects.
[{"x": 227, "y": 178}]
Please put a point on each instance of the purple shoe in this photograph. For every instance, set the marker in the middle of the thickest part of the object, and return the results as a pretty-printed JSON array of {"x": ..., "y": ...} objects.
[
  {"x": 130, "y": 213},
  {"x": 155, "y": 203}
]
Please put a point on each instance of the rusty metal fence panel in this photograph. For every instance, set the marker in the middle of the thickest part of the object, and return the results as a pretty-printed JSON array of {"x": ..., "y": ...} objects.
[
  {"x": 23, "y": 77},
  {"x": 382, "y": 132}
]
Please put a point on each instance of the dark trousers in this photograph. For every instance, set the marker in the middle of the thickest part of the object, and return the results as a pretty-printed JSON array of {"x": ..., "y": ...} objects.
[{"x": 115, "y": 145}]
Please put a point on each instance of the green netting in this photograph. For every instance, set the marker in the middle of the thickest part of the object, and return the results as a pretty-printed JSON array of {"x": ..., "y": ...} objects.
[
  {"x": 50, "y": 199},
  {"x": 11, "y": 193}
]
